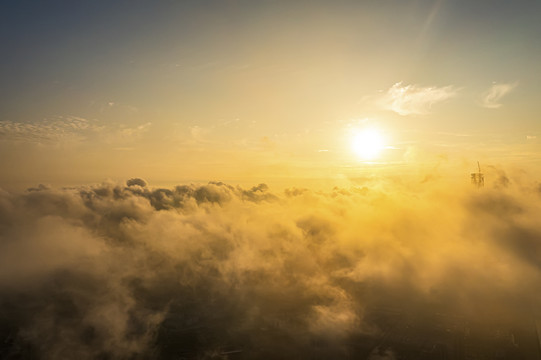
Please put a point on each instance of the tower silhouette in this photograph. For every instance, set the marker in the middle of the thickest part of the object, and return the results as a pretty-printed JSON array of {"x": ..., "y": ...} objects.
[{"x": 478, "y": 179}]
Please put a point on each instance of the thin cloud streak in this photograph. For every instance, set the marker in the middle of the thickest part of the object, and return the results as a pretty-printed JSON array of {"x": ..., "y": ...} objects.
[
  {"x": 69, "y": 130},
  {"x": 60, "y": 129}
]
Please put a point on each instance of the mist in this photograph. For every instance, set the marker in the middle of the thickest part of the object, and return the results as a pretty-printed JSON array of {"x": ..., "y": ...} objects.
[{"x": 130, "y": 271}]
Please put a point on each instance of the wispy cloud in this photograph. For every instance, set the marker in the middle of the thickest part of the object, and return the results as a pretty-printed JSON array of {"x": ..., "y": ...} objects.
[
  {"x": 125, "y": 134},
  {"x": 212, "y": 134},
  {"x": 491, "y": 98},
  {"x": 62, "y": 129},
  {"x": 65, "y": 130},
  {"x": 414, "y": 99}
]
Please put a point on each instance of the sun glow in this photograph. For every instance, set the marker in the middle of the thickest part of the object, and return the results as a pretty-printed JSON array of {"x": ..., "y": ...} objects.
[{"x": 367, "y": 143}]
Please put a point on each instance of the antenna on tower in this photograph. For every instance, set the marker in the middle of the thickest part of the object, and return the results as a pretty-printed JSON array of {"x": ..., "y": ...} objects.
[{"x": 478, "y": 179}]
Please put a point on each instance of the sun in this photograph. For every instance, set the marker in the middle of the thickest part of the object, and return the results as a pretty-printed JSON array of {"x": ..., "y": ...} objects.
[{"x": 367, "y": 143}]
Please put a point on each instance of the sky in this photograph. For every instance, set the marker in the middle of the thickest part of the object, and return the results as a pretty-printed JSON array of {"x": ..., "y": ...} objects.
[{"x": 261, "y": 91}]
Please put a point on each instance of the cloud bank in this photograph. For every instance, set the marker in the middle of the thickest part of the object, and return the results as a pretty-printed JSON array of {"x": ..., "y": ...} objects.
[
  {"x": 218, "y": 272},
  {"x": 413, "y": 99},
  {"x": 491, "y": 98}
]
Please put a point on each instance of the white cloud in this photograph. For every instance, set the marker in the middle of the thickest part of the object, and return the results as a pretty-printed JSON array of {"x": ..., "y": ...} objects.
[
  {"x": 413, "y": 99},
  {"x": 491, "y": 98}
]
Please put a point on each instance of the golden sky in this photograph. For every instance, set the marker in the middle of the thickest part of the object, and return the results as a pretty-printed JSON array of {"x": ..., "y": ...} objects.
[{"x": 241, "y": 91}]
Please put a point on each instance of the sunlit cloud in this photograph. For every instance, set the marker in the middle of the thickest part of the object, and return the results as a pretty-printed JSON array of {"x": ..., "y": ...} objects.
[
  {"x": 414, "y": 99},
  {"x": 491, "y": 98},
  {"x": 300, "y": 264}
]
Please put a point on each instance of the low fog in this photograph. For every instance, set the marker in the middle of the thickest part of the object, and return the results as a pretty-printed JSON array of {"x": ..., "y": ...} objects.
[{"x": 130, "y": 271}]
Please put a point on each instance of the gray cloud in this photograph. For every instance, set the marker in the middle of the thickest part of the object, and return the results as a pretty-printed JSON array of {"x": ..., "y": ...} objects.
[
  {"x": 131, "y": 271},
  {"x": 136, "y": 181}
]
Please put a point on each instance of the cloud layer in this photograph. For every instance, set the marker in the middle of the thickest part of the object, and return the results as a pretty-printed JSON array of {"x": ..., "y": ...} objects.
[{"x": 128, "y": 271}]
